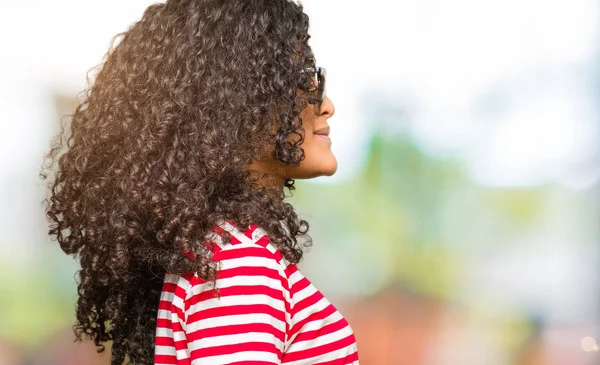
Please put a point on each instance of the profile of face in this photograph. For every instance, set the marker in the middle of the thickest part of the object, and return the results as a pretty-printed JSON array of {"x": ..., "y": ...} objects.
[
  {"x": 318, "y": 157},
  {"x": 318, "y": 160}
]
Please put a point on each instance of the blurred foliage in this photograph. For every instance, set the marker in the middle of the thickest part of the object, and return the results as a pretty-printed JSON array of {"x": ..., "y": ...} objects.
[
  {"x": 396, "y": 205},
  {"x": 423, "y": 212},
  {"x": 41, "y": 301}
]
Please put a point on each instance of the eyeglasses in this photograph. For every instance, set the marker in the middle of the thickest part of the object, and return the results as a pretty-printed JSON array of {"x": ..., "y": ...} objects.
[
  {"x": 321, "y": 74},
  {"x": 321, "y": 77}
]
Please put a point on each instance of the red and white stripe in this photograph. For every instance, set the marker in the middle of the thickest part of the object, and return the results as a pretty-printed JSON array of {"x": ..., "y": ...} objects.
[{"x": 267, "y": 313}]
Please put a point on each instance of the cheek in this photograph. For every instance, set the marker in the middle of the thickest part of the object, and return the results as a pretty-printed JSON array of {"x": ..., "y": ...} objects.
[{"x": 308, "y": 119}]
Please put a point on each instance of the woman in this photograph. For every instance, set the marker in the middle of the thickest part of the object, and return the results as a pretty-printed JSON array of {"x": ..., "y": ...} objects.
[{"x": 171, "y": 193}]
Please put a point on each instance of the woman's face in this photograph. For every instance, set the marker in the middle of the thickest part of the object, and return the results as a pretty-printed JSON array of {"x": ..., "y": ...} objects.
[{"x": 318, "y": 157}]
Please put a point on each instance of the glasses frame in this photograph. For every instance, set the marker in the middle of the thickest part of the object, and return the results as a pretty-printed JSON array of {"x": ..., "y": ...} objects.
[{"x": 321, "y": 82}]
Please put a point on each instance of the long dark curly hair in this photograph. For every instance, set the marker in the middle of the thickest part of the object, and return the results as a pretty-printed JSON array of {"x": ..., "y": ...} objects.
[{"x": 159, "y": 150}]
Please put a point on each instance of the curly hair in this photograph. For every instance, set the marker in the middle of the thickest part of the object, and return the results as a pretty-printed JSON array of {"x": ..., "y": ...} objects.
[{"x": 159, "y": 151}]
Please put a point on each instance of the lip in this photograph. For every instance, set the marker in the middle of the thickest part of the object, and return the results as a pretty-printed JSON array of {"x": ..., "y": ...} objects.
[
  {"x": 323, "y": 136},
  {"x": 323, "y": 131}
]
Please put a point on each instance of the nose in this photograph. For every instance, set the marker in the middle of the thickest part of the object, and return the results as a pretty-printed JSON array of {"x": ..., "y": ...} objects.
[{"x": 327, "y": 108}]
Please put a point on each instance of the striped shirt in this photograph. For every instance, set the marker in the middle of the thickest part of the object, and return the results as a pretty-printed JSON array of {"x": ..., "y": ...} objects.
[{"x": 267, "y": 313}]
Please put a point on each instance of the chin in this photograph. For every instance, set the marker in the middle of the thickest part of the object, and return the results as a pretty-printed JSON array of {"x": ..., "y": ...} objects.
[
  {"x": 308, "y": 169},
  {"x": 315, "y": 172},
  {"x": 328, "y": 169}
]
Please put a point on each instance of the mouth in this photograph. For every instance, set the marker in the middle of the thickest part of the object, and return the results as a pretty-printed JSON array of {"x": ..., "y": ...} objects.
[{"x": 323, "y": 132}]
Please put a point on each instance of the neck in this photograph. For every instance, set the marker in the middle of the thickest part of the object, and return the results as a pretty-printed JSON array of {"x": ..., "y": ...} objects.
[{"x": 267, "y": 176}]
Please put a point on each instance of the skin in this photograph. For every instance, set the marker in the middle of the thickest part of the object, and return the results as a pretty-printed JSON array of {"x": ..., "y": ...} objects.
[{"x": 319, "y": 159}]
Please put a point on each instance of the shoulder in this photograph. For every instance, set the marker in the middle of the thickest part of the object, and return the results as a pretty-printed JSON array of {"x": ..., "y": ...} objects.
[
  {"x": 252, "y": 239},
  {"x": 248, "y": 257},
  {"x": 248, "y": 260}
]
